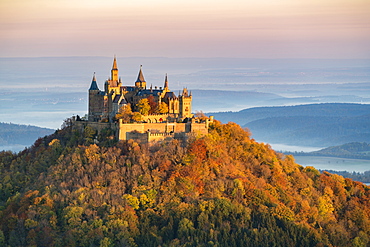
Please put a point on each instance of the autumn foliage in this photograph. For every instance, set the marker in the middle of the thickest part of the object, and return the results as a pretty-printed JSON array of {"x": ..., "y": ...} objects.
[{"x": 223, "y": 189}]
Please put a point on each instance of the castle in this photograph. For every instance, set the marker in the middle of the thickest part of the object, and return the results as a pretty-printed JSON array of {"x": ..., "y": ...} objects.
[{"x": 138, "y": 112}]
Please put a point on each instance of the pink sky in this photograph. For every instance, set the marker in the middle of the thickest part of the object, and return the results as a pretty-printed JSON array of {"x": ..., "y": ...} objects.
[{"x": 186, "y": 28}]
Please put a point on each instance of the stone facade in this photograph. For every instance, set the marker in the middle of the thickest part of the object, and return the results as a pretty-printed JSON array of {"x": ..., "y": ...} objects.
[
  {"x": 177, "y": 122},
  {"x": 104, "y": 105}
]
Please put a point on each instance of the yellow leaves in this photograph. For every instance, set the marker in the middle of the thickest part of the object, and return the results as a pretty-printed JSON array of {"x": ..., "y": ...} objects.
[
  {"x": 283, "y": 212},
  {"x": 81, "y": 197},
  {"x": 143, "y": 199},
  {"x": 311, "y": 171},
  {"x": 238, "y": 190},
  {"x": 328, "y": 191},
  {"x": 338, "y": 178},
  {"x": 72, "y": 215},
  {"x": 325, "y": 206},
  {"x": 305, "y": 192},
  {"x": 54, "y": 142},
  {"x": 206, "y": 206},
  {"x": 132, "y": 201},
  {"x": 92, "y": 152}
]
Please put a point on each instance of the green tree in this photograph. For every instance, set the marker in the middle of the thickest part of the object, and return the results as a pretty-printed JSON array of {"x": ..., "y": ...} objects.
[
  {"x": 143, "y": 106},
  {"x": 2, "y": 238},
  {"x": 89, "y": 134}
]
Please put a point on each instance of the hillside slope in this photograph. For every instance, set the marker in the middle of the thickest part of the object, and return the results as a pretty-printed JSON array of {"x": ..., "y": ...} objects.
[
  {"x": 305, "y": 125},
  {"x": 223, "y": 189}
]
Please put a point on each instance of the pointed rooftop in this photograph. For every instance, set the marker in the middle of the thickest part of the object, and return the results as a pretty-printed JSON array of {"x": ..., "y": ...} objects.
[
  {"x": 114, "y": 63},
  {"x": 166, "y": 82},
  {"x": 94, "y": 85},
  {"x": 140, "y": 77}
]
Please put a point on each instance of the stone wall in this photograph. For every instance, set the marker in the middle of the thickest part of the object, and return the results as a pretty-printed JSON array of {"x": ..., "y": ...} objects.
[
  {"x": 161, "y": 128},
  {"x": 98, "y": 126},
  {"x": 147, "y": 132}
]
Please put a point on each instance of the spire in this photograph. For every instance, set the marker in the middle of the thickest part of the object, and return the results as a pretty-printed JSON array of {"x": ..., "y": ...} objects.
[
  {"x": 140, "y": 77},
  {"x": 166, "y": 82},
  {"x": 93, "y": 85},
  {"x": 140, "y": 82},
  {"x": 114, "y": 63},
  {"x": 114, "y": 71}
]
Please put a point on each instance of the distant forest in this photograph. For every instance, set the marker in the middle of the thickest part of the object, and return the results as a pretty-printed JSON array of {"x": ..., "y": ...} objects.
[
  {"x": 11, "y": 134},
  {"x": 352, "y": 150},
  {"x": 363, "y": 177},
  {"x": 305, "y": 125}
]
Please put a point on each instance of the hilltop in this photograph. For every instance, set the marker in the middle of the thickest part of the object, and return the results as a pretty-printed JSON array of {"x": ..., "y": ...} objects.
[
  {"x": 222, "y": 189},
  {"x": 305, "y": 125}
]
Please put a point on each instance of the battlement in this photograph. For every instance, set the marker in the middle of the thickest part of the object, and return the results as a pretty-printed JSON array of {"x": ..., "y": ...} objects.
[{"x": 161, "y": 131}]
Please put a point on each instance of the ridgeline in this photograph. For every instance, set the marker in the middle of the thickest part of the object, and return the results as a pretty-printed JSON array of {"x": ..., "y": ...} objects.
[{"x": 223, "y": 189}]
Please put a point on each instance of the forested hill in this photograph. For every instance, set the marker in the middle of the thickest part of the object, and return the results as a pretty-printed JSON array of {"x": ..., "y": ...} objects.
[
  {"x": 18, "y": 134},
  {"x": 313, "y": 110},
  {"x": 317, "y": 125},
  {"x": 355, "y": 150},
  {"x": 223, "y": 189}
]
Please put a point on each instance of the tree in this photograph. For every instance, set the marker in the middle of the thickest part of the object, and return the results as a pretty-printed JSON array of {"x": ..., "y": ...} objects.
[
  {"x": 162, "y": 108},
  {"x": 124, "y": 113},
  {"x": 152, "y": 104},
  {"x": 136, "y": 117},
  {"x": 89, "y": 134},
  {"x": 143, "y": 106}
]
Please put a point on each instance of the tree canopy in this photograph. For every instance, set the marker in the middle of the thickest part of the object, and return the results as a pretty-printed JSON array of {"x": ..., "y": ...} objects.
[
  {"x": 223, "y": 189},
  {"x": 143, "y": 106}
]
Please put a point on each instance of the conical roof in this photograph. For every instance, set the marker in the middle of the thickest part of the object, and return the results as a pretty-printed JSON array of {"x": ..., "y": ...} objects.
[
  {"x": 94, "y": 85},
  {"x": 140, "y": 77},
  {"x": 166, "y": 82}
]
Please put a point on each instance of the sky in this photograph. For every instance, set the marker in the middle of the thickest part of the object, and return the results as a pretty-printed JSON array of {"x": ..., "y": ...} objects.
[{"x": 186, "y": 28}]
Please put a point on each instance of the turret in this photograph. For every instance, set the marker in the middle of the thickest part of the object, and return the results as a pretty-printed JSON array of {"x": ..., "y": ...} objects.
[
  {"x": 140, "y": 82},
  {"x": 95, "y": 101},
  {"x": 93, "y": 85}
]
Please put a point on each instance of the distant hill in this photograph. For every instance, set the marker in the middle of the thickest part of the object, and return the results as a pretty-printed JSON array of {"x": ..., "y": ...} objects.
[
  {"x": 355, "y": 150},
  {"x": 18, "y": 135},
  {"x": 305, "y": 125}
]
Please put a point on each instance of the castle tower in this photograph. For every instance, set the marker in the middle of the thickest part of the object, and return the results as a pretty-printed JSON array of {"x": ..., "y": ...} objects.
[
  {"x": 185, "y": 101},
  {"x": 95, "y": 101},
  {"x": 114, "y": 71},
  {"x": 140, "y": 82}
]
